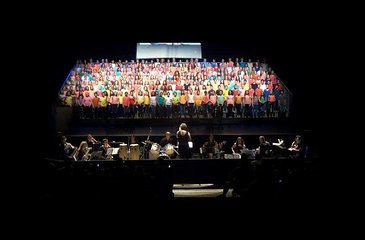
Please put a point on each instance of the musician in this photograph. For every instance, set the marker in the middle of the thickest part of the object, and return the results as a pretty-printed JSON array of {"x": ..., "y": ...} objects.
[
  {"x": 295, "y": 149},
  {"x": 264, "y": 149},
  {"x": 168, "y": 144},
  {"x": 238, "y": 146},
  {"x": 104, "y": 149},
  {"x": 183, "y": 138},
  {"x": 67, "y": 148},
  {"x": 210, "y": 146},
  {"x": 82, "y": 152},
  {"x": 91, "y": 140},
  {"x": 296, "y": 145},
  {"x": 167, "y": 140}
]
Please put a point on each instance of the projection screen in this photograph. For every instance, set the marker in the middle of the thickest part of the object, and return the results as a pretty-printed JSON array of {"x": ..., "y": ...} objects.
[{"x": 168, "y": 50}]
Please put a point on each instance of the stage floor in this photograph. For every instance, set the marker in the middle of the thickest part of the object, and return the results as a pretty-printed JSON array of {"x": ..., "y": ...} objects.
[{"x": 157, "y": 127}]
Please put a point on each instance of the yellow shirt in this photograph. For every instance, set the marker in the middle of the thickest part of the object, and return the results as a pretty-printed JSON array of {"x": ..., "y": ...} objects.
[
  {"x": 103, "y": 102},
  {"x": 68, "y": 101},
  {"x": 225, "y": 94},
  {"x": 175, "y": 100},
  {"x": 146, "y": 100},
  {"x": 120, "y": 99},
  {"x": 140, "y": 100}
]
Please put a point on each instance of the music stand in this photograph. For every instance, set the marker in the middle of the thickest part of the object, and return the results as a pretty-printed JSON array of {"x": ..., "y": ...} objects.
[
  {"x": 110, "y": 152},
  {"x": 96, "y": 146},
  {"x": 115, "y": 151},
  {"x": 95, "y": 155}
]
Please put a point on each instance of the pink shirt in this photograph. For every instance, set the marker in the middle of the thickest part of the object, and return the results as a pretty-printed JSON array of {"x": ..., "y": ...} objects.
[
  {"x": 230, "y": 99},
  {"x": 213, "y": 99},
  {"x": 115, "y": 100},
  {"x": 273, "y": 78},
  {"x": 87, "y": 101}
]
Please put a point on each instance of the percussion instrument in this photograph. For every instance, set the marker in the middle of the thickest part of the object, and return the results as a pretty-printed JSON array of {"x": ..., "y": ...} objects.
[
  {"x": 163, "y": 156},
  {"x": 169, "y": 149},
  {"x": 155, "y": 151},
  {"x": 232, "y": 156},
  {"x": 123, "y": 151},
  {"x": 147, "y": 142},
  {"x": 134, "y": 151},
  {"x": 247, "y": 152},
  {"x": 236, "y": 156}
]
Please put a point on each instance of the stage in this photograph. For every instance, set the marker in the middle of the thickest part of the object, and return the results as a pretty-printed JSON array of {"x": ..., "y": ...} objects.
[
  {"x": 223, "y": 129},
  {"x": 197, "y": 126},
  {"x": 136, "y": 179}
]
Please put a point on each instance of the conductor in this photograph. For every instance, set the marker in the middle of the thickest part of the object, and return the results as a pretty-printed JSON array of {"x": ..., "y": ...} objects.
[{"x": 183, "y": 139}]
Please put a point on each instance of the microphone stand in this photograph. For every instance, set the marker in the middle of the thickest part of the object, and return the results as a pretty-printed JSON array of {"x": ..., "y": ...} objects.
[
  {"x": 176, "y": 152},
  {"x": 147, "y": 142},
  {"x": 148, "y": 137}
]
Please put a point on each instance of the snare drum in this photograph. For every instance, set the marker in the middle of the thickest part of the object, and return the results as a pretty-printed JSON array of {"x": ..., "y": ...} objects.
[
  {"x": 155, "y": 151},
  {"x": 169, "y": 149},
  {"x": 134, "y": 151},
  {"x": 163, "y": 156},
  {"x": 247, "y": 152},
  {"x": 236, "y": 156},
  {"x": 123, "y": 151}
]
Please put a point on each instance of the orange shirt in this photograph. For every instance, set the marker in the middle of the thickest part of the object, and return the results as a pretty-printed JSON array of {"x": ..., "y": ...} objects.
[
  {"x": 182, "y": 99},
  {"x": 238, "y": 99},
  {"x": 198, "y": 100},
  {"x": 95, "y": 102}
]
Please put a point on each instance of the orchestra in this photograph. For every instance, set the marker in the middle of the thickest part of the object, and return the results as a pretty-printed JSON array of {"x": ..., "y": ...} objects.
[{"x": 170, "y": 148}]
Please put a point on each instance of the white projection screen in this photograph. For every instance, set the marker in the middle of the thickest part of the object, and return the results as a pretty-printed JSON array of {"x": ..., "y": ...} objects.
[{"x": 168, "y": 50}]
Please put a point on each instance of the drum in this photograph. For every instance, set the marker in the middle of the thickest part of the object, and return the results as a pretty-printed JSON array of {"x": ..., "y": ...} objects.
[
  {"x": 134, "y": 152},
  {"x": 169, "y": 149},
  {"x": 123, "y": 151},
  {"x": 163, "y": 156},
  {"x": 247, "y": 153},
  {"x": 155, "y": 151},
  {"x": 236, "y": 156}
]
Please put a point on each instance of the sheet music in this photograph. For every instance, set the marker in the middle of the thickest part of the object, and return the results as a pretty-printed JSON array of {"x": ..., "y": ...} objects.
[{"x": 115, "y": 151}]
